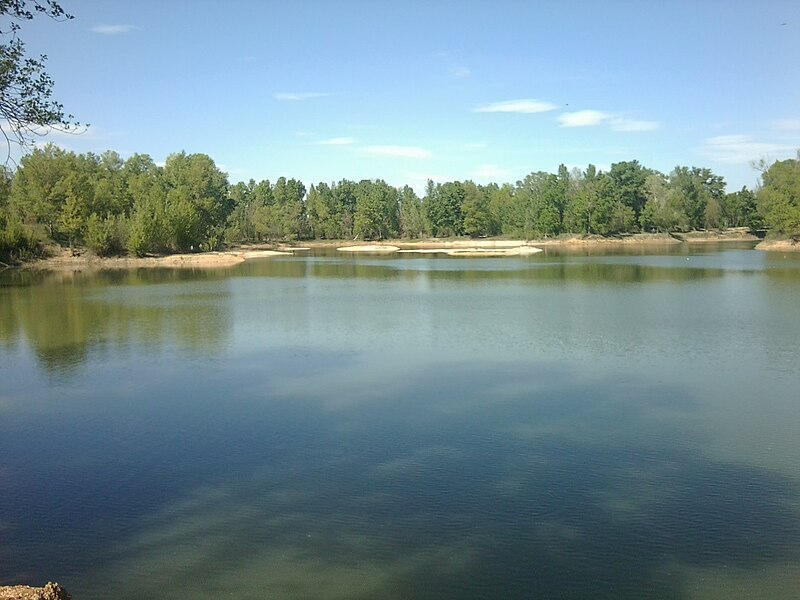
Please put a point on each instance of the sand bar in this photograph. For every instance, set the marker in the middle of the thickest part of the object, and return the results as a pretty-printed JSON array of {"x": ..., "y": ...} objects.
[
  {"x": 477, "y": 251},
  {"x": 369, "y": 248}
]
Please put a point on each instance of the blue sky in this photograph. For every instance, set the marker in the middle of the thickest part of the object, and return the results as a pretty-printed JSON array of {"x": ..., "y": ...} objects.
[{"x": 407, "y": 91}]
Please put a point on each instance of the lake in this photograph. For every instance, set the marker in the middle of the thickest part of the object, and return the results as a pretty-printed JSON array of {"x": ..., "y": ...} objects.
[{"x": 565, "y": 425}]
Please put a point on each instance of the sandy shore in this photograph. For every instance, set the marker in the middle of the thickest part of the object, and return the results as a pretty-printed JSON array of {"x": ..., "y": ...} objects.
[
  {"x": 496, "y": 247},
  {"x": 201, "y": 260},
  {"x": 64, "y": 260}
]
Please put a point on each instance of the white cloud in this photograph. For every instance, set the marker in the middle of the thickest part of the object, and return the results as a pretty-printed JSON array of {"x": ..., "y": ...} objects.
[
  {"x": 299, "y": 96},
  {"x": 490, "y": 172},
  {"x": 631, "y": 125},
  {"x": 517, "y": 106},
  {"x": 741, "y": 149},
  {"x": 337, "y": 141},
  {"x": 399, "y": 151},
  {"x": 787, "y": 125},
  {"x": 460, "y": 73},
  {"x": 583, "y": 118},
  {"x": 113, "y": 29}
]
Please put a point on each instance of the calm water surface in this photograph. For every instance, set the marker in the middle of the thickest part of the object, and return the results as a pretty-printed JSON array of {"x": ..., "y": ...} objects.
[{"x": 559, "y": 426}]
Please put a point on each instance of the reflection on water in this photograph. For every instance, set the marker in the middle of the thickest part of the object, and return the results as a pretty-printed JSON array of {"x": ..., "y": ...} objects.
[
  {"x": 573, "y": 427},
  {"x": 64, "y": 316}
]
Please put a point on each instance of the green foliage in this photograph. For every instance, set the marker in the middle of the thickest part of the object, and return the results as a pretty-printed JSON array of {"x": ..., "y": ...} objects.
[
  {"x": 105, "y": 235},
  {"x": 539, "y": 203},
  {"x": 696, "y": 187},
  {"x": 376, "y": 214},
  {"x": 443, "y": 208},
  {"x": 477, "y": 212},
  {"x": 412, "y": 216},
  {"x": 17, "y": 242},
  {"x": 629, "y": 179},
  {"x": 109, "y": 204},
  {"x": 740, "y": 210},
  {"x": 779, "y": 197}
]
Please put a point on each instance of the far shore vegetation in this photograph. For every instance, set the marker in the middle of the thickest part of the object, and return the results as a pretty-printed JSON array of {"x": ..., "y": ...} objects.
[{"x": 112, "y": 206}]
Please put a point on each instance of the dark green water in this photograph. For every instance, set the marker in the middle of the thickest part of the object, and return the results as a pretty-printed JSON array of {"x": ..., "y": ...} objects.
[{"x": 559, "y": 426}]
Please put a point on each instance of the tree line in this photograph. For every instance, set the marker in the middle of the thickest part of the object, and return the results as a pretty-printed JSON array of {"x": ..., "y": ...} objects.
[{"x": 115, "y": 206}]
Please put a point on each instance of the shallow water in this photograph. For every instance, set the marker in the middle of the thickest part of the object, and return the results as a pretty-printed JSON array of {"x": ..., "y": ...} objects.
[{"x": 561, "y": 425}]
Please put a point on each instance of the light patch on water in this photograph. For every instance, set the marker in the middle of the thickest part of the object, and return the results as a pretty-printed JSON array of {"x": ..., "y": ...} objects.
[
  {"x": 218, "y": 544},
  {"x": 728, "y": 583}
]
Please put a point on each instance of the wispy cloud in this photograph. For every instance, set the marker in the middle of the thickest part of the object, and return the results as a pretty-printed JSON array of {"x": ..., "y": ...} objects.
[
  {"x": 517, "y": 106},
  {"x": 399, "y": 151},
  {"x": 632, "y": 125},
  {"x": 492, "y": 172},
  {"x": 787, "y": 125},
  {"x": 299, "y": 96},
  {"x": 583, "y": 118},
  {"x": 113, "y": 29},
  {"x": 337, "y": 141},
  {"x": 460, "y": 73},
  {"x": 741, "y": 149}
]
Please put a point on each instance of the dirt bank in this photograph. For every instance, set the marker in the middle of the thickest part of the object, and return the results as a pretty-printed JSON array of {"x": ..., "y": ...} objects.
[
  {"x": 735, "y": 234},
  {"x": 789, "y": 245}
]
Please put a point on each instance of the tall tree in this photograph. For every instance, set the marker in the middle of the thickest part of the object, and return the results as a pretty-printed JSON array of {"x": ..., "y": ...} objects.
[
  {"x": 629, "y": 179},
  {"x": 538, "y": 204},
  {"x": 196, "y": 180},
  {"x": 412, "y": 215},
  {"x": 696, "y": 187},
  {"x": 478, "y": 220},
  {"x": 779, "y": 197},
  {"x": 376, "y": 215}
]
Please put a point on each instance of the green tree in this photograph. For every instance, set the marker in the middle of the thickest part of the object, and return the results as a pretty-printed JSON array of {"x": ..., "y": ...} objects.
[
  {"x": 696, "y": 187},
  {"x": 412, "y": 216},
  {"x": 376, "y": 215},
  {"x": 443, "y": 208},
  {"x": 538, "y": 204},
  {"x": 477, "y": 213},
  {"x": 581, "y": 201},
  {"x": 629, "y": 179},
  {"x": 779, "y": 197},
  {"x": 662, "y": 211},
  {"x": 35, "y": 199},
  {"x": 194, "y": 180},
  {"x": 740, "y": 209},
  {"x": 287, "y": 213},
  {"x": 75, "y": 192}
]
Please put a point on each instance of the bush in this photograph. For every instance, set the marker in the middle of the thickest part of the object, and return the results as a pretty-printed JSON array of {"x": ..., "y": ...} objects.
[
  {"x": 104, "y": 237},
  {"x": 17, "y": 242}
]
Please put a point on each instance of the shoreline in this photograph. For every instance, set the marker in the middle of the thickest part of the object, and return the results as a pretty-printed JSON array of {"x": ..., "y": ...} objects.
[
  {"x": 205, "y": 260},
  {"x": 64, "y": 260}
]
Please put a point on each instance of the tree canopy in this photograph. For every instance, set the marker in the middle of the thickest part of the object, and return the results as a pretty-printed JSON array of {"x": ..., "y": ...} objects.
[{"x": 133, "y": 205}]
